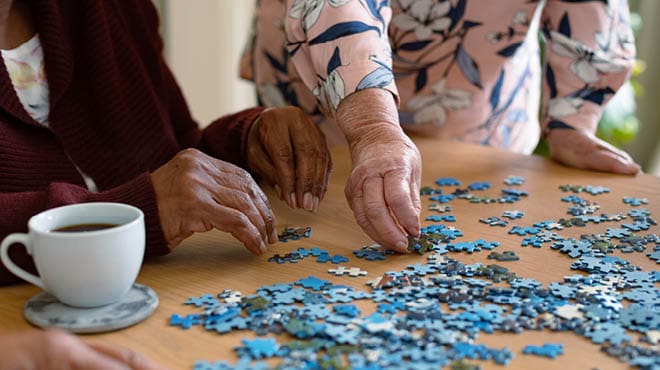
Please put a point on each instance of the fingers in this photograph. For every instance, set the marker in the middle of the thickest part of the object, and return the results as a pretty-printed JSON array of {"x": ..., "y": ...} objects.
[
  {"x": 417, "y": 202},
  {"x": 263, "y": 206},
  {"x": 598, "y": 158},
  {"x": 305, "y": 155},
  {"x": 322, "y": 175},
  {"x": 607, "y": 161},
  {"x": 131, "y": 359},
  {"x": 68, "y": 351},
  {"x": 238, "y": 224},
  {"x": 584, "y": 150},
  {"x": 298, "y": 158},
  {"x": 323, "y": 178},
  {"x": 398, "y": 196},
  {"x": 260, "y": 162},
  {"x": 312, "y": 161},
  {"x": 356, "y": 202},
  {"x": 243, "y": 194},
  {"x": 85, "y": 358},
  {"x": 623, "y": 163},
  {"x": 281, "y": 154},
  {"x": 378, "y": 215}
]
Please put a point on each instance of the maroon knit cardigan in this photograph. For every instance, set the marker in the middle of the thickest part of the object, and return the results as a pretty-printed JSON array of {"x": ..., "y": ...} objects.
[{"x": 115, "y": 111}]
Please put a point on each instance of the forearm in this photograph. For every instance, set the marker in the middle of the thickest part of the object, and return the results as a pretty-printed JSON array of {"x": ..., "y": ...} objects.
[
  {"x": 17, "y": 208},
  {"x": 589, "y": 54},
  {"x": 369, "y": 116}
]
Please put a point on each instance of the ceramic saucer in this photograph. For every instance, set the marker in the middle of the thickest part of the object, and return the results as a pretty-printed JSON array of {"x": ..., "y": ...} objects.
[{"x": 45, "y": 311}]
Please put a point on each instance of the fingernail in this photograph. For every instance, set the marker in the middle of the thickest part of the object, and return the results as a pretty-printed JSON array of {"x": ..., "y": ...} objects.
[
  {"x": 317, "y": 201},
  {"x": 292, "y": 200},
  {"x": 401, "y": 246},
  {"x": 262, "y": 247},
  {"x": 278, "y": 191},
  {"x": 308, "y": 201}
]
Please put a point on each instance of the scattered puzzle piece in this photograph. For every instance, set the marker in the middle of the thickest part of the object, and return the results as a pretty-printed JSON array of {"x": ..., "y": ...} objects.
[
  {"x": 550, "y": 350},
  {"x": 294, "y": 233},
  {"x": 513, "y": 214},
  {"x": 261, "y": 348},
  {"x": 524, "y": 230},
  {"x": 514, "y": 180},
  {"x": 439, "y": 208},
  {"x": 494, "y": 221},
  {"x": 504, "y": 256},
  {"x": 312, "y": 282},
  {"x": 429, "y": 314},
  {"x": 439, "y": 218},
  {"x": 480, "y": 185},
  {"x": 185, "y": 322},
  {"x": 342, "y": 270},
  {"x": 447, "y": 181},
  {"x": 635, "y": 202}
]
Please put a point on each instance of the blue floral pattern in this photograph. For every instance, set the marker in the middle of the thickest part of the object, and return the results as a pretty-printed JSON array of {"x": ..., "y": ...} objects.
[{"x": 464, "y": 69}]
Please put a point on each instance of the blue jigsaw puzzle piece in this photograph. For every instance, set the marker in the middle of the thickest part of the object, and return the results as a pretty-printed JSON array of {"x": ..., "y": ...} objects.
[
  {"x": 514, "y": 180},
  {"x": 205, "y": 300},
  {"x": 439, "y": 218},
  {"x": 261, "y": 348},
  {"x": 534, "y": 241},
  {"x": 607, "y": 332},
  {"x": 480, "y": 185},
  {"x": 513, "y": 215},
  {"x": 550, "y": 350},
  {"x": 442, "y": 198},
  {"x": 349, "y": 310},
  {"x": 635, "y": 202},
  {"x": 596, "y": 190},
  {"x": 312, "y": 282},
  {"x": 524, "y": 230},
  {"x": 447, "y": 181},
  {"x": 187, "y": 321}
]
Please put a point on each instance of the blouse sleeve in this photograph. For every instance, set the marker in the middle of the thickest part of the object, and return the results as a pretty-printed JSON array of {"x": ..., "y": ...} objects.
[
  {"x": 590, "y": 51},
  {"x": 340, "y": 47}
]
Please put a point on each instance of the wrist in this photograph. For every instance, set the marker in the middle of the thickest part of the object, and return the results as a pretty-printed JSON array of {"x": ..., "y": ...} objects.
[{"x": 365, "y": 110}]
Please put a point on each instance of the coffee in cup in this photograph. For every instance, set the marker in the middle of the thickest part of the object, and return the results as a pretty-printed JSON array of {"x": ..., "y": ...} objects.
[{"x": 87, "y": 254}]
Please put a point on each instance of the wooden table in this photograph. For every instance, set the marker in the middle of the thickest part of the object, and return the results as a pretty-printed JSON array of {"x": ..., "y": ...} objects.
[{"x": 211, "y": 262}]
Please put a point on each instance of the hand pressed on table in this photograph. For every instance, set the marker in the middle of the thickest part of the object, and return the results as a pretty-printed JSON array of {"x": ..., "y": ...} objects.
[
  {"x": 42, "y": 350},
  {"x": 584, "y": 150},
  {"x": 383, "y": 188},
  {"x": 289, "y": 151},
  {"x": 196, "y": 193}
]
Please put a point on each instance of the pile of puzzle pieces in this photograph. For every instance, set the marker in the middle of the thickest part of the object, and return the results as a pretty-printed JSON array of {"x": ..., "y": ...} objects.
[{"x": 429, "y": 315}]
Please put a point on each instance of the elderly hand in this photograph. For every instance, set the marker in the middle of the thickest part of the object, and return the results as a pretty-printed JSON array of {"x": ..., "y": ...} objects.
[
  {"x": 383, "y": 188},
  {"x": 289, "y": 151},
  {"x": 42, "y": 350},
  {"x": 196, "y": 193},
  {"x": 584, "y": 150}
]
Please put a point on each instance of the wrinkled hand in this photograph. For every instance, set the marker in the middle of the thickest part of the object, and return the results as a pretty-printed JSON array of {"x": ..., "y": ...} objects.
[
  {"x": 584, "y": 150},
  {"x": 42, "y": 350},
  {"x": 383, "y": 188},
  {"x": 289, "y": 151},
  {"x": 196, "y": 193}
]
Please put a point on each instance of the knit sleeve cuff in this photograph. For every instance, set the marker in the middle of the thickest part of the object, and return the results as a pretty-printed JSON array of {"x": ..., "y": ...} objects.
[
  {"x": 139, "y": 192},
  {"x": 226, "y": 138}
]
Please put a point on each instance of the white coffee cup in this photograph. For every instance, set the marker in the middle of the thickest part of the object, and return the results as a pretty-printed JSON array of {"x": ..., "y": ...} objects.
[{"x": 82, "y": 268}]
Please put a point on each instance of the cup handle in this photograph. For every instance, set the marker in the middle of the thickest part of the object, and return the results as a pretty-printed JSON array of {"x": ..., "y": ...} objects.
[{"x": 11, "y": 266}]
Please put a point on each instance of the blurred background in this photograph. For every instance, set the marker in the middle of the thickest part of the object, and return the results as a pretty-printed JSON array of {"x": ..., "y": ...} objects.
[{"x": 203, "y": 43}]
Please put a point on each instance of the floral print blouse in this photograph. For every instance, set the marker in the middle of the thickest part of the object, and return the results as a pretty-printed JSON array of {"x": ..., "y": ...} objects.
[{"x": 461, "y": 69}]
